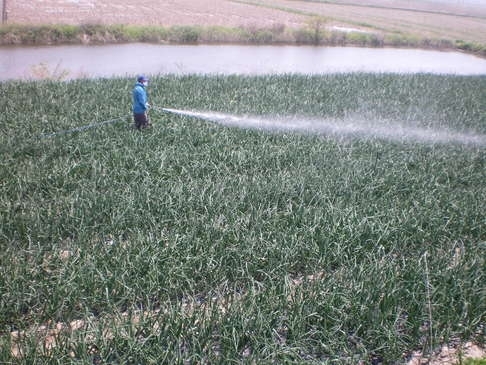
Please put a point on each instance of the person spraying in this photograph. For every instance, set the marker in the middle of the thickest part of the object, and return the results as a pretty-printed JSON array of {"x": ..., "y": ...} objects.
[{"x": 140, "y": 103}]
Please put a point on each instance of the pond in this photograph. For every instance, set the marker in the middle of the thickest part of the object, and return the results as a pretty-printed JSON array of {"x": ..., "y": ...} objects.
[{"x": 129, "y": 59}]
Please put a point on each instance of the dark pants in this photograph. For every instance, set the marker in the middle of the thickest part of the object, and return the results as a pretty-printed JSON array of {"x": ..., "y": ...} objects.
[{"x": 141, "y": 120}]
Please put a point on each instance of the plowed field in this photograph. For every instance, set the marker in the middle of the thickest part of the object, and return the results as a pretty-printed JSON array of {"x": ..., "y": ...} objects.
[
  {"x": 148, "y": 12},
  {"x": 464, "y": 20}
]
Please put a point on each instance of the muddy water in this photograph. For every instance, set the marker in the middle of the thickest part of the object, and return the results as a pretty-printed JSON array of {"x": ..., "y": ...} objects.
[{"x": 131, "y": 59}]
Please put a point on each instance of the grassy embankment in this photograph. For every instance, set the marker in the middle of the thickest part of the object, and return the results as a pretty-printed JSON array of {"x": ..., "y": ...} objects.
[
  {"x": 201, "y": 243},
  {"x": 314, "y": 33}
]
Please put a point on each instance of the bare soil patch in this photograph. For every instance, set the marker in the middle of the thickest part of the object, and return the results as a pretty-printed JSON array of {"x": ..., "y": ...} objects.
[{"x": 148, "y": 12}]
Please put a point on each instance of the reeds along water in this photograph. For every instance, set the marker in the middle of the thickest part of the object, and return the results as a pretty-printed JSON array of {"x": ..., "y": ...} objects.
[{"x": 340, "y": 128}]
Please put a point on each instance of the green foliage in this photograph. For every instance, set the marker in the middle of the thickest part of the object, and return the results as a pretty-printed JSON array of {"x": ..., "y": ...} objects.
[
  {"x": 402, "y": 40},
  {"x": 146, "y": 33},
  {"x": 471, "y": 47},
  {"x": 184, "y": 34},
  {"x": 364, "y": 39},
  {"x": 313, "y": 33},
  {"x": 40, "y": 34},
  {"x": 217, "y": 34},
  {"x": 304, "y": 36},
  {"x": 194, "y": 242},
  {"x": 474, "y": 362},
  {"x": 316, "y": 26}
]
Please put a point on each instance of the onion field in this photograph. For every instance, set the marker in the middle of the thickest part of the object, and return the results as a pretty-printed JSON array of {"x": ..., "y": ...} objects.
[{"x": 202, "y": 241}]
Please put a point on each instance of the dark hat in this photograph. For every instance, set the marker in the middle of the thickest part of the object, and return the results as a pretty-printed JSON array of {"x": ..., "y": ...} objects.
[{"x": 141, "y": 78}]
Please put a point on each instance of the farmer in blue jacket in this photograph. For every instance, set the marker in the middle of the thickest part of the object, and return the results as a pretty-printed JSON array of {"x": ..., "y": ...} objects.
[{"x": 140, "y": 103}]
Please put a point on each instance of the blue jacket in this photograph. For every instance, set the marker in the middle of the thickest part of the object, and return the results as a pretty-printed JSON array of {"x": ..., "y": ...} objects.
[{"x": 139, "y": 99}]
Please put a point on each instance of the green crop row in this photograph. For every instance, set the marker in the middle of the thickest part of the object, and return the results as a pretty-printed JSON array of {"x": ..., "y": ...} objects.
[{"x": 193, "y": 242}]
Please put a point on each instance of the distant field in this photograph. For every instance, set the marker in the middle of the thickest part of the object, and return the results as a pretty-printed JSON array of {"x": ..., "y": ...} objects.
[
  {"x": 425, "y": 19},
  {"x": 451, "y": 20},
  {"x": 151, "y": 12}
]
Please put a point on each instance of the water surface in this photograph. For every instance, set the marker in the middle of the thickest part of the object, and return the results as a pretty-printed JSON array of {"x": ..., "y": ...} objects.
[{"x": 130, "y": 59}]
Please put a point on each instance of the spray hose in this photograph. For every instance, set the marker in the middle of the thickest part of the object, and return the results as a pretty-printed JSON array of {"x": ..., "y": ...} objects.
[
  {"x": 84, "y": 127},
  {"x": 99, "y": 124}
]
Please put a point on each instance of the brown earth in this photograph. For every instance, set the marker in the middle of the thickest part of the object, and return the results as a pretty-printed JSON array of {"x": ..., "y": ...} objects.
[
  {"x": 147, "y": 12},
  {"x": 456, "y": 20},
  {"x": 424, "y": 18}
]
